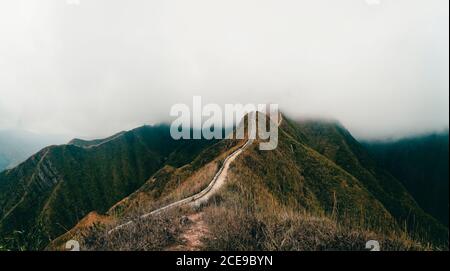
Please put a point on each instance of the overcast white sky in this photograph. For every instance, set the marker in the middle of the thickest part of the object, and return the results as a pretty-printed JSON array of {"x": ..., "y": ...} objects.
[{"x": 93, "y": 67}]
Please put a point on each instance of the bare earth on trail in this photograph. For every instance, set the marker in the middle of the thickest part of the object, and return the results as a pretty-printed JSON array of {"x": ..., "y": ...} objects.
[{"x": 193, "y": 234}]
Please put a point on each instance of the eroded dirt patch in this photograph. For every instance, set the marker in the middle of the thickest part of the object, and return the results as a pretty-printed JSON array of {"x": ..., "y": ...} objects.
[{"x": 193, "y": 234}]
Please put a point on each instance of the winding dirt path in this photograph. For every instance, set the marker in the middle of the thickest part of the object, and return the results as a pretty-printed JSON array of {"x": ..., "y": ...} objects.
[
  {"x": 202, "y": 197},
  {"x": 192, "y": 236}
]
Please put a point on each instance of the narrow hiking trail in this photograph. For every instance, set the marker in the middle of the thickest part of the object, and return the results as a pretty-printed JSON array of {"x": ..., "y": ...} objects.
[
  {"x": 193, "y": 235},
  {"x": 203, "y": 196},
  {"x": 197, "y": 228}
]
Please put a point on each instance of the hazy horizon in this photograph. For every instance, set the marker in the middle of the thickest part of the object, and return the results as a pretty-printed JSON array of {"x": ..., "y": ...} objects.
[{"x": 89, "y": 69}]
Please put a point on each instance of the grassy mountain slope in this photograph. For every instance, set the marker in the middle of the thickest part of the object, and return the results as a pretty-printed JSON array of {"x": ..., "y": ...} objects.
[
  {"x": 167, "y": 185},
  {"x": 319, "y": 176},
  {"x": 421, "y": 164},
  {"x": 337, "y": 144},
  {"x": 54, "y": 189},
  {"x": 319, "y": 189}
]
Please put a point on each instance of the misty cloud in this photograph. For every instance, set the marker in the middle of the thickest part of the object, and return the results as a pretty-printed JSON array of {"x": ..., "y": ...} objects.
[{"x": 101, "y": 66}]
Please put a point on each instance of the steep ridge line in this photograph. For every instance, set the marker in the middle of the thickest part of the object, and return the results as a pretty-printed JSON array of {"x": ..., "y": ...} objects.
[
  {"x": 203, "y": 196},
  {"x": 194, "y": 199}
]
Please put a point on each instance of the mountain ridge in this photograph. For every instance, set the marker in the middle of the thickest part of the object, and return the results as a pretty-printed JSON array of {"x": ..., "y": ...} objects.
[
  {"x": 18, "y": 145},
  {"x": 307, "y": 173},
  {"x": 318, "y": 168},
  {"x": 55, "y": 188}
]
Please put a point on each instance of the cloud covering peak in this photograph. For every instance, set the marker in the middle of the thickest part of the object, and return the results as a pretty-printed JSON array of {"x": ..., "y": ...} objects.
[{"x": 91, "y": 68}]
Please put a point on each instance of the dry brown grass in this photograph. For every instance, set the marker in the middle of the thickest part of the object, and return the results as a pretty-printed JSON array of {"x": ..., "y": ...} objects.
[
  {"x": 244, "y": 216},
  {"x": 243, "y": 230},
  {"x": 149, "y": 234},
  {"x": 92, "y": 220},
  {"x": 169, "y": 185}
]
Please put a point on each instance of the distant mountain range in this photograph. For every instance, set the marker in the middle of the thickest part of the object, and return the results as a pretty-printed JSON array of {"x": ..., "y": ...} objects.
[
  {"x": 319, "y": 181},
  {"x": 17, "y": 145}
]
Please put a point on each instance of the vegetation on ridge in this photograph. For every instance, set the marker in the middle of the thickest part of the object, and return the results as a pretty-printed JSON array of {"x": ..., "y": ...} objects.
[{"x": 318, "y": 190}]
